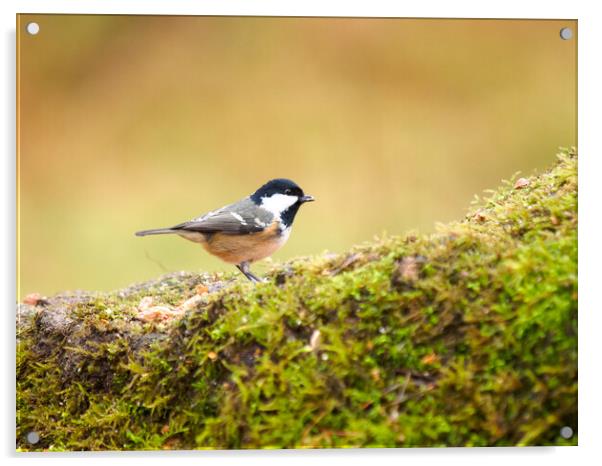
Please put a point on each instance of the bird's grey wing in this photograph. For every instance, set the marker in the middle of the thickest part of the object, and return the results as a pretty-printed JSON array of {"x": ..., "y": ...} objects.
[{"x": 240, "y": 218}]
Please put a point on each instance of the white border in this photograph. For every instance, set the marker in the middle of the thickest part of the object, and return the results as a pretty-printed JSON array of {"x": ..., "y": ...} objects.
[
  {"x": 439, "y": 8},
  {"x": 590, "y": 238}
]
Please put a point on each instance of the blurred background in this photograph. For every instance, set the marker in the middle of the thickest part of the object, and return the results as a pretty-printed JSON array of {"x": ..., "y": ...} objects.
[{"x": 130, "y": 122}]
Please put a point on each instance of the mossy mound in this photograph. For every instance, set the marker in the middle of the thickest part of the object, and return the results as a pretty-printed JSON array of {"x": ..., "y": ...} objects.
[{"x": 467, "y": 337}]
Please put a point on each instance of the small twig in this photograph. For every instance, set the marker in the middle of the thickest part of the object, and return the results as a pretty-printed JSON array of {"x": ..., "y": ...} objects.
[{"x": 349, "y": 260}]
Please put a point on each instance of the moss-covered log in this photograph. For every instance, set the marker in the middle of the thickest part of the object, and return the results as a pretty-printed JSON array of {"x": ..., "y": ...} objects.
[{"x": 464, "y": 337}]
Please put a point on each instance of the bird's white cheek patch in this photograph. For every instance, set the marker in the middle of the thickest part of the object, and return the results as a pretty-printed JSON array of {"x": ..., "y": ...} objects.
[{"x": 278, "y": 203}]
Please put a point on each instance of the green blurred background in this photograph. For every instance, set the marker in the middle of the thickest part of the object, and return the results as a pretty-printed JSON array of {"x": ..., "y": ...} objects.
[{"x": 131, "y": 122}]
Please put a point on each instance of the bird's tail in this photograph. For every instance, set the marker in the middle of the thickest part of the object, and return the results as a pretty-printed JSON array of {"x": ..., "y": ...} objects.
[{"x": 157, "y": 231}]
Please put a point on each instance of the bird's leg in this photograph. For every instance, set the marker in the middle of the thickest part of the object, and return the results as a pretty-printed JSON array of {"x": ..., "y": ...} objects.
[{"x": 244, "y": 268}]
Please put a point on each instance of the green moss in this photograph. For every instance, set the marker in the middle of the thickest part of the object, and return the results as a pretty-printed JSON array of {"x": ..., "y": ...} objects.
[{"x": 467, "y": 337}]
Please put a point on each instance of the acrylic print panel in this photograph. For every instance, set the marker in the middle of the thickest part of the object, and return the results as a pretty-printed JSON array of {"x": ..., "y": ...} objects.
[{"x": 427, "y": 297}]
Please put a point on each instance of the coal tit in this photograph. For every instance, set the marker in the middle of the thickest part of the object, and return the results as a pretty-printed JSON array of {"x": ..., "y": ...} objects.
[{"x": 248, "y": 230}]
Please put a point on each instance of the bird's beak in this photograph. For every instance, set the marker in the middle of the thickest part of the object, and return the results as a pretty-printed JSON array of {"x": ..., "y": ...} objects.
[{"x": 306, "y": 198}]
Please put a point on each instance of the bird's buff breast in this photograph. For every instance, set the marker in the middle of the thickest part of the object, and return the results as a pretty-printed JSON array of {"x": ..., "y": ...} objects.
[{"x": 236, "y": 249}]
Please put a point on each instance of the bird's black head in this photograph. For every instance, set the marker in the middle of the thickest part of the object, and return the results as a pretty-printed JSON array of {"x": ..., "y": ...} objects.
[
  {"x": 282, "y": 197},
  {"x": 277, "y": 186}
]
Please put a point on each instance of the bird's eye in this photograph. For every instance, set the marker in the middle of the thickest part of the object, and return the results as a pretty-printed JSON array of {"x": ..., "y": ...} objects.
[{"x": 287, "y": 191}]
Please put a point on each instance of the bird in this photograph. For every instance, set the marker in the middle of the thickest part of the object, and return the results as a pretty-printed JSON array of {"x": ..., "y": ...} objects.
[{"x": 248, "y": 230}]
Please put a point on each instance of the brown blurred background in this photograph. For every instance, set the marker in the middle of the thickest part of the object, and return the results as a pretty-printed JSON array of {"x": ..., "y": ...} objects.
[{"x": 130, "y": 122}]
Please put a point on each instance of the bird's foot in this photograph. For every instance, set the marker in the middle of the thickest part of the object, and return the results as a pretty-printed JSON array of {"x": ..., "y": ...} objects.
[{"x": 244, "y": 268}]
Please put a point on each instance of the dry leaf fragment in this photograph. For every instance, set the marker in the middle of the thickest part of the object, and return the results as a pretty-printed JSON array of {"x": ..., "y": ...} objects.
[
  {"x": 429, "y": 359},
  {"x": 147, "y": 312},
  {"x": 480, "y": 216},
  {"x": 201, "y": 289},
  {"x": 35, "y": 299},
  {"x": 521, "y": 183},
  {"x": 408, "y": 269},
  {"x": 172, "y": 443},
  {"x": 145, "y": 303},
  {"x": 191, "y": 303},
  {"x": 158, "y": 314}
]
